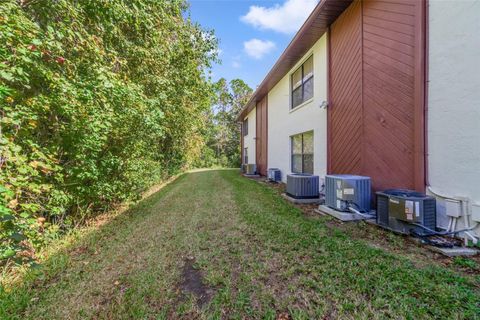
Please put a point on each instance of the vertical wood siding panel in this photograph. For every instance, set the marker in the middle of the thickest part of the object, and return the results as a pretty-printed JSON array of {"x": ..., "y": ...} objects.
[
  {"x": 345, "y": 105},
  {"x": 376, "y": 120},
  {"x": 391, "y": 155},
  {"x": 261, "y": 142}
]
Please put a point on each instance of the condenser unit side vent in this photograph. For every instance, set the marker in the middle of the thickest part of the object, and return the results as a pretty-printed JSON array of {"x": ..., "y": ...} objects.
[
  {"x": 382, "y": 210},
  {"x": 430, "y": 213}
]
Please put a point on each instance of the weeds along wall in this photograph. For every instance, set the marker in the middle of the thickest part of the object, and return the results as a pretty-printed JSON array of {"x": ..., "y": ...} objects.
[{"x": 98, "y": 100}]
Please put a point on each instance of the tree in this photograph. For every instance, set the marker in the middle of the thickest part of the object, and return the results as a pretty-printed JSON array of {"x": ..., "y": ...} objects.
[
  {"x": 230, "y": 97},
  {"x": 98, "y": 101}
]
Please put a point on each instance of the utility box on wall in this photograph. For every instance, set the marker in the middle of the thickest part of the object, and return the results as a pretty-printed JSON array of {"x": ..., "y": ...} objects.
[
  {"x": 453, "y": 208},
  {"x": 476, "y": 212}
]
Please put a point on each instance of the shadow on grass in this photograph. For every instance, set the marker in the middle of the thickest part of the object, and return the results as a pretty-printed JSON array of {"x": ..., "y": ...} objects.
[
  {"x": 20, "y": 288},
  {"x": 354, "y": 277},
  {"x": 319, "y": 260}
]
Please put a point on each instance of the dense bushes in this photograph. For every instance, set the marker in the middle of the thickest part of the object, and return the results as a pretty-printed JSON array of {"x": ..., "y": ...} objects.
[{"x": 99, "y": 99}]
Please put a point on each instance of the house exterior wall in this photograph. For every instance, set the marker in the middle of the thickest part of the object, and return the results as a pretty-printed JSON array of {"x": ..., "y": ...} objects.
[
  {"x": 249, "y": 139},
  {"x": 453, "y": 127},
  {"x": 283, "y": 122},
  {"x": 376, "y": 107}
]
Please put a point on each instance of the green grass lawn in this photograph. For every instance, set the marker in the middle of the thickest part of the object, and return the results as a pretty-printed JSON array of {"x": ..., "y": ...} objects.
[{"x": 216, "y": 245}]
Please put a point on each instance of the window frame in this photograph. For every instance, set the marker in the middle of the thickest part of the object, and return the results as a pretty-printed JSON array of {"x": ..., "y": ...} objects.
[
  {"x": 245, "y": 127},
  {"x": 303, "y": 154},
  {"x": 302, "y": 85}
]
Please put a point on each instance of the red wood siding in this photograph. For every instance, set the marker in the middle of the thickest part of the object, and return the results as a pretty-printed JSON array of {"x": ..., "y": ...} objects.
[
  {"x": 261, "y": 141},
  {"x": 345, "y": 107},
  {"x": 376, "y": 119},
  {"x": 242, "y": 145}
]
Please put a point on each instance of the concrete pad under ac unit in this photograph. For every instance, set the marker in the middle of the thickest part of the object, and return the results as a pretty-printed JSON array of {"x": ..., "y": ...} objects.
[
  {"x": 343, "y": 216},
  {"x": 301, "y": 201},
  {"x": 455, "y": 251},
  {"x": 251, "y": 175}
]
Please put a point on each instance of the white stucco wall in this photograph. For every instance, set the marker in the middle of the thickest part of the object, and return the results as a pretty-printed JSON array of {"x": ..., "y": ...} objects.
[
  {"x": 454, "y": 100},
  {"x": 249, "y": 139},
  {"x": 283, "y": 122}
]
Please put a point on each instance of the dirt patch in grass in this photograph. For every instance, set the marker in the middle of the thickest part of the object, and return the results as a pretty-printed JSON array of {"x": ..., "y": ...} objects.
[
  {"x": 283, "y": 316},
  {"x": 193, "y": 283}
]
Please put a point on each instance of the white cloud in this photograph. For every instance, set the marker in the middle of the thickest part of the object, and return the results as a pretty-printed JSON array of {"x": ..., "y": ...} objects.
[
  {"x": 256, "y": 48},
  {"x": 236, "y": 64},
  {"x": 286, "y": 18}
]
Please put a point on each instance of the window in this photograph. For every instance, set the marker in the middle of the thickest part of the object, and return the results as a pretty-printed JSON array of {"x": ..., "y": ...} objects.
[
  {"x": 302, "y": 153},
  {"x": 302, "y": 83},
  {"x": 245, "y": 127},
  {"x": 245, "y": 156}
]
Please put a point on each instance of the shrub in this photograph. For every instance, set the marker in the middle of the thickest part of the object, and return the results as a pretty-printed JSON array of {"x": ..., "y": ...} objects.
[{"x": 99, "y": 99}]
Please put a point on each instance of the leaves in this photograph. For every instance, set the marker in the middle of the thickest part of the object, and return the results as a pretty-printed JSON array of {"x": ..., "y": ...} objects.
[
  {"x": 98, "y": 100},
  {"x": 223, "y": 146}
]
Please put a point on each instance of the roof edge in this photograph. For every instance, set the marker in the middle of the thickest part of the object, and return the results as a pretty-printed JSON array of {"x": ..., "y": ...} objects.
[{"x": 324, "y": 14}]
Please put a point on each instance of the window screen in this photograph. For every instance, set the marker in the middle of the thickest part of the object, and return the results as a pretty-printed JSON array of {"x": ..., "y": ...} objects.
[
  {"x": 302, "y": 153},
  {"x": 302, "y": 83}
]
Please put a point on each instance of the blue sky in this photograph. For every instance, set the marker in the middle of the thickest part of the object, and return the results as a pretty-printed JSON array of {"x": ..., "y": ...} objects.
[{"x": 252, "y": 34}]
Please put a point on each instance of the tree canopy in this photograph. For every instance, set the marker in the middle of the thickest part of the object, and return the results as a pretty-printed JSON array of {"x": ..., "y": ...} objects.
[
  {"x": 224, "y": 136},
  {"x": 98, "y": 100}
]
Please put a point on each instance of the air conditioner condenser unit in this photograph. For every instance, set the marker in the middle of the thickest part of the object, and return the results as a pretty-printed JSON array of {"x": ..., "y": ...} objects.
[
  {"x": 344, "y": 190},
  {"x": 406, "y": 211},
  {"x": 302, "y": 186},
  {"x": 274, "y": 174},
  {"x": 251, "y": 169}
]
